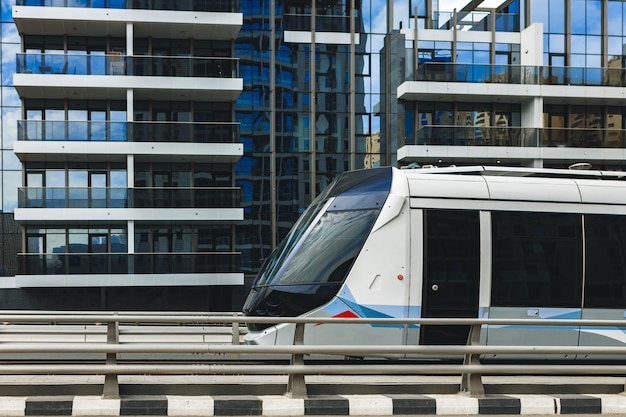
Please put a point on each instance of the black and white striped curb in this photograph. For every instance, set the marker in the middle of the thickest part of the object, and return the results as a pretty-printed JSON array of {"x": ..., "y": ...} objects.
[{"x": 340, "y": 405}]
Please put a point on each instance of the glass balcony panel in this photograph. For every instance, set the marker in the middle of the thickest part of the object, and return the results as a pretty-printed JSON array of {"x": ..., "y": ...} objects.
[
  {"x": 113, "y": 64},
  {"x": 520, "y": 137},
  {"x": 516, "y": 74},
  {"x": 55, "y": 197},
  {"x": 78, "y": 131},
  {"x": 78, "y": 197},
  {"x": 118, "y": 197},
  {"x": 54, "y": 130},
  {"x": 118, "y": 131},
  {"x": 97, "y": 131},
  {"x": 123, "y": 263}
]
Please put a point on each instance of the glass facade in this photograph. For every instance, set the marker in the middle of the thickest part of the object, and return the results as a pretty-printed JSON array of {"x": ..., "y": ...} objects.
[
  {"x": 307, "y": 120},
  {"x": 10, "y": 167}
]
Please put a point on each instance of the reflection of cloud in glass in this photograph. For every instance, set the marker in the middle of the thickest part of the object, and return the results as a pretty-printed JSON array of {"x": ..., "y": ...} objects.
[
  {"x": 10, "y": 160},
  {"x": 11, "y": 180},
  {"x": 9, "y": 53},
  {"x": 10, "y": 116},
  {"x": 7, "y": 12},
  {"x": 10, "y": 34},
  {"x": 10, "y": 97}
]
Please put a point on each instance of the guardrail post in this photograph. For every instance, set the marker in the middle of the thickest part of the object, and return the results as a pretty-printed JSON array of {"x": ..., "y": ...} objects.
[
  {"x": 471, "y": 383},
  {"x": 296, "y": 387},
  {"x": 235, "y": 339},
  {"x": 111, "y": 387}
]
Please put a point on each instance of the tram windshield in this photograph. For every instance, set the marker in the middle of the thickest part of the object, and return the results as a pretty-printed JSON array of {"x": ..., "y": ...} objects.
[
  {"x": 278, "y": 256},
  {"x": 323, "y": 253},
  {"x": 327, "y": 253}
]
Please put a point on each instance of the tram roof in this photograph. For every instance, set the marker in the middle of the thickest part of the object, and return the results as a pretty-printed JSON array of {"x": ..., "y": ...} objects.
[
  {"x": 497, "y": 183},
  {"x": 579, "y": 171}
]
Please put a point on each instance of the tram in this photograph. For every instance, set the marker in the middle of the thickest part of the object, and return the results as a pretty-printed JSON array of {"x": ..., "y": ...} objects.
[{"x": 461, "y": 242}]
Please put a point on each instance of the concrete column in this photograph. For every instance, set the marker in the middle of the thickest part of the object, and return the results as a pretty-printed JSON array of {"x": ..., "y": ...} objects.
[
  {"x": 130, "y": 171},
  {"x": 532, "y": 112},
  {"x": 130, "y": 224},
  {"x": 130, "y": 39},
  {"x": 131, "y": 236}
]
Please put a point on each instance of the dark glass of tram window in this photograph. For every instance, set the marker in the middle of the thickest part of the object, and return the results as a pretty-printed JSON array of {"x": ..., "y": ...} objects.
[
  {"x": 536, "y": 259},
  {"x": 605, "y": 263}
]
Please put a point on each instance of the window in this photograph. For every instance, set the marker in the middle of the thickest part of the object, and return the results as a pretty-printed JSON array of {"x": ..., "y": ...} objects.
[
  {"x": 536, "y": 259},
  {"x": 605, "y": 266}
]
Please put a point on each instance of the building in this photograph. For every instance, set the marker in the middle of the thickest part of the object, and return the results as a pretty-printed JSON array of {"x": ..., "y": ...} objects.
[
  {"x": 127, "y": 143},
  {"x": 524, "y": 83},
  {"x": 150, "y": 138}
]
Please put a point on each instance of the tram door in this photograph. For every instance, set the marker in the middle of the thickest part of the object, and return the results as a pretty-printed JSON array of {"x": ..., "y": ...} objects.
[{"x": 451, "y": 273}]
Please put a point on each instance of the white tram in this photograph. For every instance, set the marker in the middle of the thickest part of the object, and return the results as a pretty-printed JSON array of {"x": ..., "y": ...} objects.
[{"x": 478, "y": 242}]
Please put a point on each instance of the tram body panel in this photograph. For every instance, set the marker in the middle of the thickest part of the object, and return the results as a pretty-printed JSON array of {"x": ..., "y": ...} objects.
[
  {"x": 533, "y": 335},
  {"x": 603, "y": 336}
]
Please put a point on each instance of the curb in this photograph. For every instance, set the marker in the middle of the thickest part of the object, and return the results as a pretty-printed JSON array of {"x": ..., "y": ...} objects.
[{"x": 335, "y": 405}]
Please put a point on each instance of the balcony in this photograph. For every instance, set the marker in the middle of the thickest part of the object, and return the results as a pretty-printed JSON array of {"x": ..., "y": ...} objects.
[
  {"x": 84, "y": 197},
  {"x": 477, "y": 73},
  {"x": 112, "y": 64},
  {"x": 181, "y": 5},
  {"x": 103, "y": 131},
  {"x": 103, "y": 77},
  {"x": 437, "y": 81},
  {"x": 520, "y": 74},
  {"x": 124, "y": 263},
  {"x": 520, "y": 137},
  {"x": 171, "y": 19}
]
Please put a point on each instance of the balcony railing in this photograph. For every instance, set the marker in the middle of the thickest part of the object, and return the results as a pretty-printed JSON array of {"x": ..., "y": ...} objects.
[
  {"x": 323, "y": 23},
  {"x": 124, "y": 263},
  {"x": 520, "y": 74},
  {"x": 112, "y": 64},
  {"x": 520, "y": 137},
  {"x": 91, "y": 197},
  {"x": 182, "y": 5},
  {"x": 103, "y": 131}
]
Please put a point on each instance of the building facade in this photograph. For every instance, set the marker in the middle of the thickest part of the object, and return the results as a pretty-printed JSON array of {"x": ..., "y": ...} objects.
[
  {"x": 524, "y": 83},
  {"x": 154, "y": 152},
  {"x": 127, "y": 144}
]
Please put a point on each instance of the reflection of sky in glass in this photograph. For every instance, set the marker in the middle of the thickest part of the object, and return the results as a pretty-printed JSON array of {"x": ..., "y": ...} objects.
[
  {"x": 10, "y": 160},
  {"x": 9, "y": 52},
  {"x": 118, "y": 179},
  {"x": 10, "y": 116},
  {"x": 7, "y": 6},
  {"x": 11, "y": 180}
]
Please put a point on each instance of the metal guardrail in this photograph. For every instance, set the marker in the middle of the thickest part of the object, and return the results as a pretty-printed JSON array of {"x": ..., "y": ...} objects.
[{"x": 471, "y": 370}]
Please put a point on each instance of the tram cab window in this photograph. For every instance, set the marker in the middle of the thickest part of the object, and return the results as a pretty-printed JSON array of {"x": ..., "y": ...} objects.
[
  {"x": 605, "y": 266},
  {"x": 536, "y": 259}
]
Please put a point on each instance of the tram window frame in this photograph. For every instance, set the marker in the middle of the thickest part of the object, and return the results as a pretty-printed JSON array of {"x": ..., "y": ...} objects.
[
  {"x": 605, "y": 261},
  {"x": 536, "y": 259}
]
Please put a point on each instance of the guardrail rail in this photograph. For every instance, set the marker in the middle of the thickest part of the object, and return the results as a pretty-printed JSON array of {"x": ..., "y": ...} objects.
[{"x": 111, "y": 334}]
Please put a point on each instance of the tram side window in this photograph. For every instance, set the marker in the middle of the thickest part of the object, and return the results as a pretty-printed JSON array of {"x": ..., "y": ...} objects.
[
  {"x": 605, "y": 266},
  {"x": 536, "y": 259}
]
